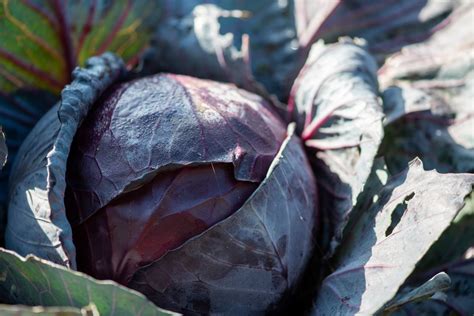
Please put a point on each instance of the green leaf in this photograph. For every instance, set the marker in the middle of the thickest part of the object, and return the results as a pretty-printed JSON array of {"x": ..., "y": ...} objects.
[
  {"x": 43, "y": 41},
  {"x": 21, "y": 310},
  {"x": 33, "y": 281}
]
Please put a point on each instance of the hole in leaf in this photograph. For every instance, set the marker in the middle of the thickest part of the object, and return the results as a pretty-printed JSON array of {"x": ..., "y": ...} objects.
[{"x": 398, "y": 213}]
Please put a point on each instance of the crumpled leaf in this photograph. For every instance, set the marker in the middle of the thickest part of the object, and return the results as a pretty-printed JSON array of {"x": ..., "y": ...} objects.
[
  {"x": 243, "y": 42},
  {"x": 438, "y": 283},
  {"x": 43, "y": 40},
  {"x": 33, "y": 281},
  {"x": 244, "y": 264},
  {"x": 37, "y": 220},
  {"x": 336, "y": 107},
  {"x": 22, "y": 310},
  {"x": 386, "y": 25},
  {"x": 389, "y": 238}
]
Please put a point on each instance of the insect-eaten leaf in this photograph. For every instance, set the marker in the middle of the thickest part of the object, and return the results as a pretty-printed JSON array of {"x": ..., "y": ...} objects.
[
  {"x": 43, "y": 41},
  {"x": 36, "y": 282},
  {"x": 376, "y": 256}
]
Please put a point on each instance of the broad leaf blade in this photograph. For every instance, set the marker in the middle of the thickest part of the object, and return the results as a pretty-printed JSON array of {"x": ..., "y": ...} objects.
[
  {"x": 429, "y": 109},
  {"x": 32, "y": 281},
  {"x": 386, "y": 25},
  {"x": 387, "y": 241},
  {"x": 31, "y": 53},
  {"x": 44, "y": 40}
]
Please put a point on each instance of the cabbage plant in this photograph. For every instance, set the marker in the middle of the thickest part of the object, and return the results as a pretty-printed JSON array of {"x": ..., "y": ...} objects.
[{"x": 236, "y": 157}]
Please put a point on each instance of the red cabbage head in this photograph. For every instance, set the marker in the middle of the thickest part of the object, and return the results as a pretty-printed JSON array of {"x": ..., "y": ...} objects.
[{"x": 190, "y": 191}]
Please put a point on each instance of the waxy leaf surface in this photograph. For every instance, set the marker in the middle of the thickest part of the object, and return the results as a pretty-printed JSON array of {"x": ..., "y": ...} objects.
[
  {"x": 37, "y": 220},
  {"x": 43, "y": 41},
  {"x": 381, "y": 250},
  {"x": 33, "y": 281},
  {"x": 335, "y": 104}
]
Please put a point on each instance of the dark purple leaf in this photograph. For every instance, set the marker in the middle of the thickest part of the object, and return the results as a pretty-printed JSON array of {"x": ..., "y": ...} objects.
[
  {"x": 37, "y": 220},
  {"x": 165, "y": 122},
  {"x": 335, "y": 103},
  {"x": 386, "y": 25},
  {"x": 388, "y": 239},
  {"x": 243, "y": 42},
  {"x": 247, "y": 262}
]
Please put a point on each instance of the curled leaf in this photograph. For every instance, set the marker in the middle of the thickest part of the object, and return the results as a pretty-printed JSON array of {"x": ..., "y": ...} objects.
[
  {"x": 336, "y": 107},
  {"x": 37, "y": 220},
  {"x": 438, "y": 283},
  {"x": 244, "y": 42},
  {"x": 389, "y": 238},
  {"x": 459, "y": 299}
]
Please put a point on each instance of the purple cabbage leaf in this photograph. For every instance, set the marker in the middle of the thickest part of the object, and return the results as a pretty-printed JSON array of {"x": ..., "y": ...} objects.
[
  {"x": 249, "y": 43},
  {"x": 428, "y": 99},
  {"x": 386, "y": 25},
  {"x": 335, "y": 104},
  {"x": 136, "y": 147},
  {"x": 37, "y": 220},
  {"x": 382, "y": 246}
]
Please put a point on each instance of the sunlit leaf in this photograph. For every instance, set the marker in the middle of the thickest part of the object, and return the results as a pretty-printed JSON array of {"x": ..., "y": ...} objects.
[
  {"x": 388, "y": 239},
  {"x": 32, "y": 281}
]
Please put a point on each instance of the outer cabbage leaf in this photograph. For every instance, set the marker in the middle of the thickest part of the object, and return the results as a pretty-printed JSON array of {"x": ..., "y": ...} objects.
[
  {"x": 44, "y": 40},
  {"x": 453, "y": 252},
  {"x": 434, "y": 286},
  {"x": 228, "y": 40},
  {"x": 19, "y": 112},
  {"x": 22, "y": 310},
  {"x": 386, "y": 25},
  {"x": 335, "y": 104},
  {"x": 430, "y": 107},
  {"x": 459, "y": 299},
  {"x": 249, "y": 260},
  {"x": 33, "y": 281},
  {"x": 37, "y": 220},
  {"x": 388, "y": 239}
]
